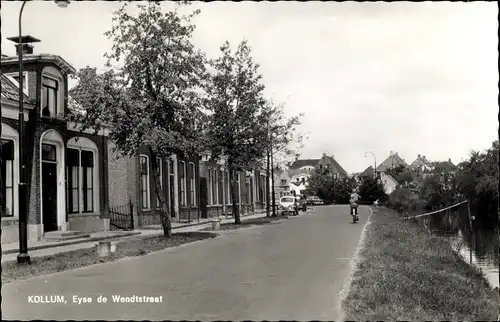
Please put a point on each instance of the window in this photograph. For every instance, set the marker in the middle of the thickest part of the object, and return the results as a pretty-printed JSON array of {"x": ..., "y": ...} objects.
[
  {"x": 50, "y": 91},
  {"x": 145, "y": 192},
  {"x": 209, "y": 188},
  {"x": 73, "y": 180},
  {"x": 15, "y": 78},
  {"x": 49, "y": 152},
  {"x": 328, "y": 166},
  {"x": 159, "y": 169},
  {"x": 228, "y": 190},
  {"x": 192, "y": 184},
  {"x": 183, "y": 183},
  {"x": 80, "y": 183},
  {"x": 283, "y": 182},
  {"x": 7, "y": 168},
  {"x": 215, "y": 195}
]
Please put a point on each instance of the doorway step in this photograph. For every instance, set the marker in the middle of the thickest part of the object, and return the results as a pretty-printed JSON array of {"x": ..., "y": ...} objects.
[{"x": 65, "y": 235}]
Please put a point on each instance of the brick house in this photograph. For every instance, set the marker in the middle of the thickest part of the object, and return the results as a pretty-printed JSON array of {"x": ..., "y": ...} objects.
[
  {"x": 215, "y": 189},
  {"x": 66, "y": 169}
]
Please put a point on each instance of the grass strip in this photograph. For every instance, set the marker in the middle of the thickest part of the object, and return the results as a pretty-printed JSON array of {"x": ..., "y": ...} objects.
[
  {"x": 405, "y": 273},
  {"x": 65, "y": 261}
]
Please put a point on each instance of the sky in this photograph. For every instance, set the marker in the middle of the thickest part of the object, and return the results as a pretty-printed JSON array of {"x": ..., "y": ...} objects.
[{"x": 414, "y": 78}]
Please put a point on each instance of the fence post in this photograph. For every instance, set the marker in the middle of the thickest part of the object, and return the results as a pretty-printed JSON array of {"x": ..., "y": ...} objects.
[{"x": 131, "y": 208}]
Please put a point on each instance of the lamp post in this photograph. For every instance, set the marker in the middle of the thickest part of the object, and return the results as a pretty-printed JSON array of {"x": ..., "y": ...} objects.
[
  {"x": 23, "y": 257},
  {"x": 375, "y": 162}
]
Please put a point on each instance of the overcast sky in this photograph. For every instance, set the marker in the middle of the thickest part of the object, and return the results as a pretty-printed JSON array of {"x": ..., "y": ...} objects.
[{"x": 416, "y": 78}]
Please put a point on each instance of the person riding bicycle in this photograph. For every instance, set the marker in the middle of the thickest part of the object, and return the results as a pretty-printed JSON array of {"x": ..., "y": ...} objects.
[{"x": 354, "y": 202}]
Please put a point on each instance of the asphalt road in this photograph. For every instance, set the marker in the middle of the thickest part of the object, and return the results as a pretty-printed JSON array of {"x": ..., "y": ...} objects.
[{"x": 291, "y": 270}]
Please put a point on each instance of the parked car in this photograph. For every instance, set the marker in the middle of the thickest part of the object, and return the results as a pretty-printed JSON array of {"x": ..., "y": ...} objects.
[
  {"x": 287, "y": 205},
  {"x": 301, "y": 202},
  {"x": 314, "y": 200}
]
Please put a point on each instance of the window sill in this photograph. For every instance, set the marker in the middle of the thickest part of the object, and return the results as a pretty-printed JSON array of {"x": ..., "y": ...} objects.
[
  {"x": 84, "y": 214},
  {"x": 7, "y": 221}
]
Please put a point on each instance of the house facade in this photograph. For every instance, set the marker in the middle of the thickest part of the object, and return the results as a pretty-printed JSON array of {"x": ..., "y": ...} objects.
[
  {"x": 215, "y": 189},
  {"x": 390, "y": 184},
  {"x": 132, "y": 182},
  {"x": 67, "y": 174}
]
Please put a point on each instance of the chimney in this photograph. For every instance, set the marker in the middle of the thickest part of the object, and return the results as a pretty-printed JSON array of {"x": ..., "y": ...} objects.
[
  {"x": 419, "y": 156},
  {"x": 392, "y": 153},
  {"x": 324, "y": 154},
  {"x": 27, "y": 49},
  {"x": 24, "y": 44}
]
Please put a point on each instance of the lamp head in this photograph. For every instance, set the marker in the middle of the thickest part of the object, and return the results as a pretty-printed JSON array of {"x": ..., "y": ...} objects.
[{"x": 62, "y": 4}]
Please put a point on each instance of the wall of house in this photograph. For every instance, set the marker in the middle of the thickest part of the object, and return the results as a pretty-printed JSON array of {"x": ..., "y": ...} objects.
[{"x": 389, "y": 183}]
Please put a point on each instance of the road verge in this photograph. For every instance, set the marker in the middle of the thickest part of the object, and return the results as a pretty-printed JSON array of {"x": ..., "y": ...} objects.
[
  {"x": 405, "y": 273},
  {"x": 65, "y": 261}
]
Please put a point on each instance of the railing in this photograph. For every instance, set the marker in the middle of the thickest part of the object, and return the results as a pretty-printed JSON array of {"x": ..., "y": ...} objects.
[{"x": 122, "y": 217}]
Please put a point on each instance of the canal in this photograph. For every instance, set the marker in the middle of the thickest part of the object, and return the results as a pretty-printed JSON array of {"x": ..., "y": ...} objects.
[{"x": 476, "y": 241}]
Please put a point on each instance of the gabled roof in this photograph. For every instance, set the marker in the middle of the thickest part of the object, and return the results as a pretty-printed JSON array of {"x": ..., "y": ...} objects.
[
  {"x": 444, "y": 166},
  {"x": 305, "y": 162},
  {"x": 10, "y": 91},
  {"x": 337, "y": 168},
  {"x": 391, "y": 162},
  {"x": 368, "y": 172},
  {"x": 419, "y": 162}
]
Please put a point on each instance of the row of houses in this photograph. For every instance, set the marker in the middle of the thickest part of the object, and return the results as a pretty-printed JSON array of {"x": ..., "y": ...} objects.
[
  {"x": 77, "y": 182},
  {"x": 421, "y": 166}
]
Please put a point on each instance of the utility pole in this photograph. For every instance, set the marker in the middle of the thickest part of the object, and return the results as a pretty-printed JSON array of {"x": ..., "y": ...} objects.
[{"x": 268, "y": 190}]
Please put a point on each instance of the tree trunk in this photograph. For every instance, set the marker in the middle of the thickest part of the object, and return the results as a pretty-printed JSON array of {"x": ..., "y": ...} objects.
[
  {"x": 165, "y": 212},
  {"x": 268, "y": 192},
  {"x": 234, "y": 192}
]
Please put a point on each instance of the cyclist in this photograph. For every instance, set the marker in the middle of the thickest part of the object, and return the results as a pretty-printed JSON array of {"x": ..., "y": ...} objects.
[{"x": 354, "y": 203}]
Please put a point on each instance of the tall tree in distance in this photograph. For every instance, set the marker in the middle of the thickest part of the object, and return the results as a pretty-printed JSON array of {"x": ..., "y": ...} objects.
[
  {"x": 237, "y": 127},
  {"x": 284, "y": 143},
  {"x": 151, "y": 96}
]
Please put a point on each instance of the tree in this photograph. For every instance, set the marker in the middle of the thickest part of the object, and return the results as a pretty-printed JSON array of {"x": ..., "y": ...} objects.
[
  {"x": 151, "y": 97},
  {"x": 282, "y": 134},
  {"x": 238, "y": 121},
  {"x": 372, "y": 189}
]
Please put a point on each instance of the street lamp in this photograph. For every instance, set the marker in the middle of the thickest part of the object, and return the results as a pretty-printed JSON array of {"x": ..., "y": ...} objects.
[
  {"x": 23, "y": 257},
  {"x": 375, "y": 161}
]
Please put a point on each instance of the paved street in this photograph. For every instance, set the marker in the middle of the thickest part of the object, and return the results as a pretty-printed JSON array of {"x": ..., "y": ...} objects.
[{"x": 292, "y": 270}]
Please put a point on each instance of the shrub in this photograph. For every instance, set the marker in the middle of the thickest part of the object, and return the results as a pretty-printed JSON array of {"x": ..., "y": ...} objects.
[{"x": 404, "y": 201}]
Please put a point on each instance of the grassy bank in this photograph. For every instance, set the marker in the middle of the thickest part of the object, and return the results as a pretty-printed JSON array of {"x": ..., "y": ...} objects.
[
  {"x": 249, "y": 223},
  {"x": 404, "y": 273},
  {"x": 85, "y": 257}
]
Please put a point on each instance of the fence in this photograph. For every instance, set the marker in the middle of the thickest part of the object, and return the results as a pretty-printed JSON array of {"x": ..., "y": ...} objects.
[{"x": 122, "y": 217}]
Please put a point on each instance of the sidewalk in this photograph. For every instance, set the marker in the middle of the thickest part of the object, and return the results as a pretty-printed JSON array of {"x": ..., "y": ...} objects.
[{"x": 45, "y": 248}]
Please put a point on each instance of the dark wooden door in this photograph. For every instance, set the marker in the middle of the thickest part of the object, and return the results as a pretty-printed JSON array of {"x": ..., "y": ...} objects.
[
  {"x": 49, "y": 195},
  {"x": 203, "y": 197}
]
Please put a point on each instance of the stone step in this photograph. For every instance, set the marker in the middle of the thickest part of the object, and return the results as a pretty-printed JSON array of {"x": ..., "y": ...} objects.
[{"x": 65, "y": 235}]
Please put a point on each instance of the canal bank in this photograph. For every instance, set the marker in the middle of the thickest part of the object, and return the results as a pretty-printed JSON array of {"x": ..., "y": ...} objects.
[{"x": 406, "y": 273}]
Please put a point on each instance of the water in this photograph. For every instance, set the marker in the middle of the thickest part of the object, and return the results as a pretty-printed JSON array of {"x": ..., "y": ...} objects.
[{"x": 478, "y": 246}]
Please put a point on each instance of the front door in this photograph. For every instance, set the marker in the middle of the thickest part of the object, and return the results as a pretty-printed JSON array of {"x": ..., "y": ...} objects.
[
  {"x": 171, "y": 195},
  {"x": 49, "y": 195}
]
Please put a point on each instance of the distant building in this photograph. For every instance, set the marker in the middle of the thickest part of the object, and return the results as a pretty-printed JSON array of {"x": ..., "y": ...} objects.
[
  {"x": 392, "y": 161},
  {"x": 389, "y": 182}
]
